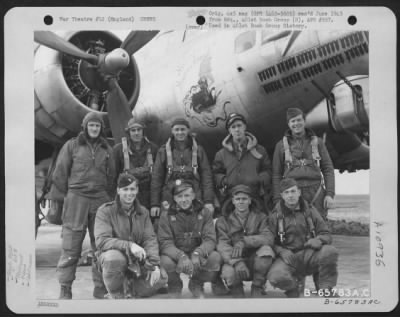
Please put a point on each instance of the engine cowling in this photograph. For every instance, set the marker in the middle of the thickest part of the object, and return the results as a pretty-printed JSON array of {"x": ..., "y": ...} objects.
[{"x": 66, "y": 88}]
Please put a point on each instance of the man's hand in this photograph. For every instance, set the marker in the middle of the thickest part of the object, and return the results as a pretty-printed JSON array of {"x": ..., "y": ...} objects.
[
  {"x": 288, "y": 257},
  {"x": 242, "y": 270},
  {"x": 185, "y": 265},
  {"x": 196, "y": 262},
  {"x": 210, "y": 208},
  {"x": 155, "y": 212},
  {"x": 237, "y": 250},
  {"x": 138, "y": 252},
  {"x": 153, "y": 276},
  {"x": 148, "y": 266},
  {"x": 328, "y": 202},
  {"x": 313, "y": 243}
]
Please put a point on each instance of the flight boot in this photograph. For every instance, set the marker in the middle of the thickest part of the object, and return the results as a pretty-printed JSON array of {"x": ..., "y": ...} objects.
[
  {"x": 66, "y": 292},
  {"x": 218, "y": 287},
  {"x": 292, "y": 293},
  {"x": 257, "y": 291},
  {"x": 196, "y": 287},
  {"x": 237, "y": 291}
]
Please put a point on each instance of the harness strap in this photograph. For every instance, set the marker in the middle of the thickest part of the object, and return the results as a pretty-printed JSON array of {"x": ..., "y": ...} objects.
[
  {"x": 281, "y": 223},
  {"x": 314, "y": 149},
  {"x": 194, "y": 156},
  {"x": 310, "y": 223},
  {"x": 150, "y": 162},
  {"x": 169, "y": 157},
  {"x": 126, "y": 153}
]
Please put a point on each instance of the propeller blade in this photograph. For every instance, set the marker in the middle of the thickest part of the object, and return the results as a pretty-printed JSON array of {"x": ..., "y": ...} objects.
[
  {"x": 136, "y": 40},
  {"x": 118, "y": 110},
  {"x": 57, "y": 43}
]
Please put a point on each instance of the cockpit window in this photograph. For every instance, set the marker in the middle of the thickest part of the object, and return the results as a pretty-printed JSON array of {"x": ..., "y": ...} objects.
[{"x": 245, "y": 41}]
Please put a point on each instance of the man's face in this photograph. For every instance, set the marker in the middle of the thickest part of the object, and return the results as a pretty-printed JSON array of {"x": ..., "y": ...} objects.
[
  {"x": 241, "y": 201},
  {"x": 185, "y": 198},
  {"x": 128, "y": 193},
  {"x": 93, "y": 129},
  {"x": 291, "y": 196},
  {"x": 238, "y": 130},
  {"x": 180, "y": 132},
  {"x": 136, "y": 134},
  {"x": 297, "y": 124}
]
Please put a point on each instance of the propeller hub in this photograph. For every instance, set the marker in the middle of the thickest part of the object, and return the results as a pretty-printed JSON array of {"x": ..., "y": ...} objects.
[{"x": 116, "y": 60}]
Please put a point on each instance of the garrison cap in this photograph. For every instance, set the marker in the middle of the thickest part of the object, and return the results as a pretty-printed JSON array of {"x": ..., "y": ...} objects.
[
  {"x": 234, "y": 117},
  {"x": 241, "y": 189},
  {"x": 134, "y": 123},
  {"x": 180, "y": 121},
  {"x": 125, "y": 179},
  {"x": 287, "y": 183},
  {"x": 293, "y": 112},
  {"x": 181, "y": 185}
]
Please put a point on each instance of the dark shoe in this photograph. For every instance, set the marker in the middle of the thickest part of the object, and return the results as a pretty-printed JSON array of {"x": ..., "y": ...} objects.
[
  {"x": 196, "y": 288},
  {"x": 237, "y": 291},
  {"x": 99, "y": 292},
  {"x": 257, "y": 291},
  {"x": 293, "y": 293},
  {"x": 316, "y": 280},
  {"x": 175, "y": 292},
  {"x": 264, "y": 290},
  {"x": 218, "y": 288},
  {"x": 66, "y": 292},
  {"x": 162, "y": 290}
]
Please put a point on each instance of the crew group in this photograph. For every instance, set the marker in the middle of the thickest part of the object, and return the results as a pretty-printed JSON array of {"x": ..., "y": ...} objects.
[{"x": 239, "y": 219}]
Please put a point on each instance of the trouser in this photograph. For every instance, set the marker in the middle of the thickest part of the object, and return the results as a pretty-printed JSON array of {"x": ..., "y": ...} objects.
[
  {"x": 79, "y": 214},
  {"x": 258, "y": 267},
  {"x": 307, "y": 262},
  {"x": 308, "y": 193},
  {"x": 114, "y": 268},
  {"x": 208, "y": 271}
]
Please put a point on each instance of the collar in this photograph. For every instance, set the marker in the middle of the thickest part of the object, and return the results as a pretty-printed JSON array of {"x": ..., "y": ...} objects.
[
  {"x": 251, "y": 145},
  {"x": 301, "y": 206},
  {"x": 197, "y": 206},
  {"x": 135, "y": 208},
  {"x": 82, "y": 140},
  {"x": 308, "y": 133}
]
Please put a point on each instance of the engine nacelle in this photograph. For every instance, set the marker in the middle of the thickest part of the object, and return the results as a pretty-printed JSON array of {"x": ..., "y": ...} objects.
[
  {"x": 346, "y": 110},
  {"x": 64, "y": 90}
]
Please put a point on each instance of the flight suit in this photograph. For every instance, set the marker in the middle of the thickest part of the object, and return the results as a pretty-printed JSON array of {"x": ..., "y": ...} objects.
[
  {"x": 298, "y": 227},
  {"x": 315, "y": 178},
  {"x": 115, "y": 231},
  {"x": 182, "y": 167},
  {"x": 140, "y": 165},
  {"x": 84, "y": 172},
  {"x": 257, "y": 240},
  {"x": 183, "y": 232},
  {"x": 251, "y": 167}
]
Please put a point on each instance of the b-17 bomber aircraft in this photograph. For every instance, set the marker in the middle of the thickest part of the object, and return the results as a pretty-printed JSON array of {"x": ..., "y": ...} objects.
[{"x": 203, "y": 76}]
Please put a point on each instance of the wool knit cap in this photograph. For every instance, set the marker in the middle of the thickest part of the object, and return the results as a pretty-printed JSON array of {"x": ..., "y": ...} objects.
[
  {"x": 134, "y": 123},
  {"x": 293, "y": 112},
  {"x": 125, "y": 179},
  {"x": 180, "y": 121},
  {"x": 234, "y": 117},
  {"x": 241, "y": 189},
  {"x": 287, "y": 183},
  {"x": 181, "y": 185}
]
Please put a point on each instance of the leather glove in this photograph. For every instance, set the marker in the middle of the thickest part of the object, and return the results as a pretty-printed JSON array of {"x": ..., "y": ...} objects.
[
  {"x": 185, "y": 265},
  {"x": 148, "y": 266},
  {"x": 242, "y": 270},
  {"x": 237, "y": 250},
  {"x": 196, "y": 262},
  {"x": 153, "y": 276},
  {"x": 288, "y": 257},
  {"x": 138, "y": 252},
  {"x": 155, "y": 212},
  {"x": 313, "y": 243}
]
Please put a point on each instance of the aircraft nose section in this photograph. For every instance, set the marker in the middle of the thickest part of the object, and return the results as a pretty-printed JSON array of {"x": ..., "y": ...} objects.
[{"x": 116, "y": 60}]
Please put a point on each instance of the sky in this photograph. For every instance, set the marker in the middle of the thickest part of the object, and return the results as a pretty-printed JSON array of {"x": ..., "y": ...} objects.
[{"x": 352, "y": 183}]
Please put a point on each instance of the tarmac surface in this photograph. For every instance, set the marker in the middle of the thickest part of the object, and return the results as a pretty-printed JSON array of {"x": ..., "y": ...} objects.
[{"x": 353, "y": 267}]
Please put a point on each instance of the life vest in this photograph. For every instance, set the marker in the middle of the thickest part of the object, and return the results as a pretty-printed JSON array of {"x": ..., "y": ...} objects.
[
  {"x": 146, "y": 168},
  {"x": 174, "y": 169},
  {"x": 281, "y": 223},
  {"x": 294, "y": 162}
]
